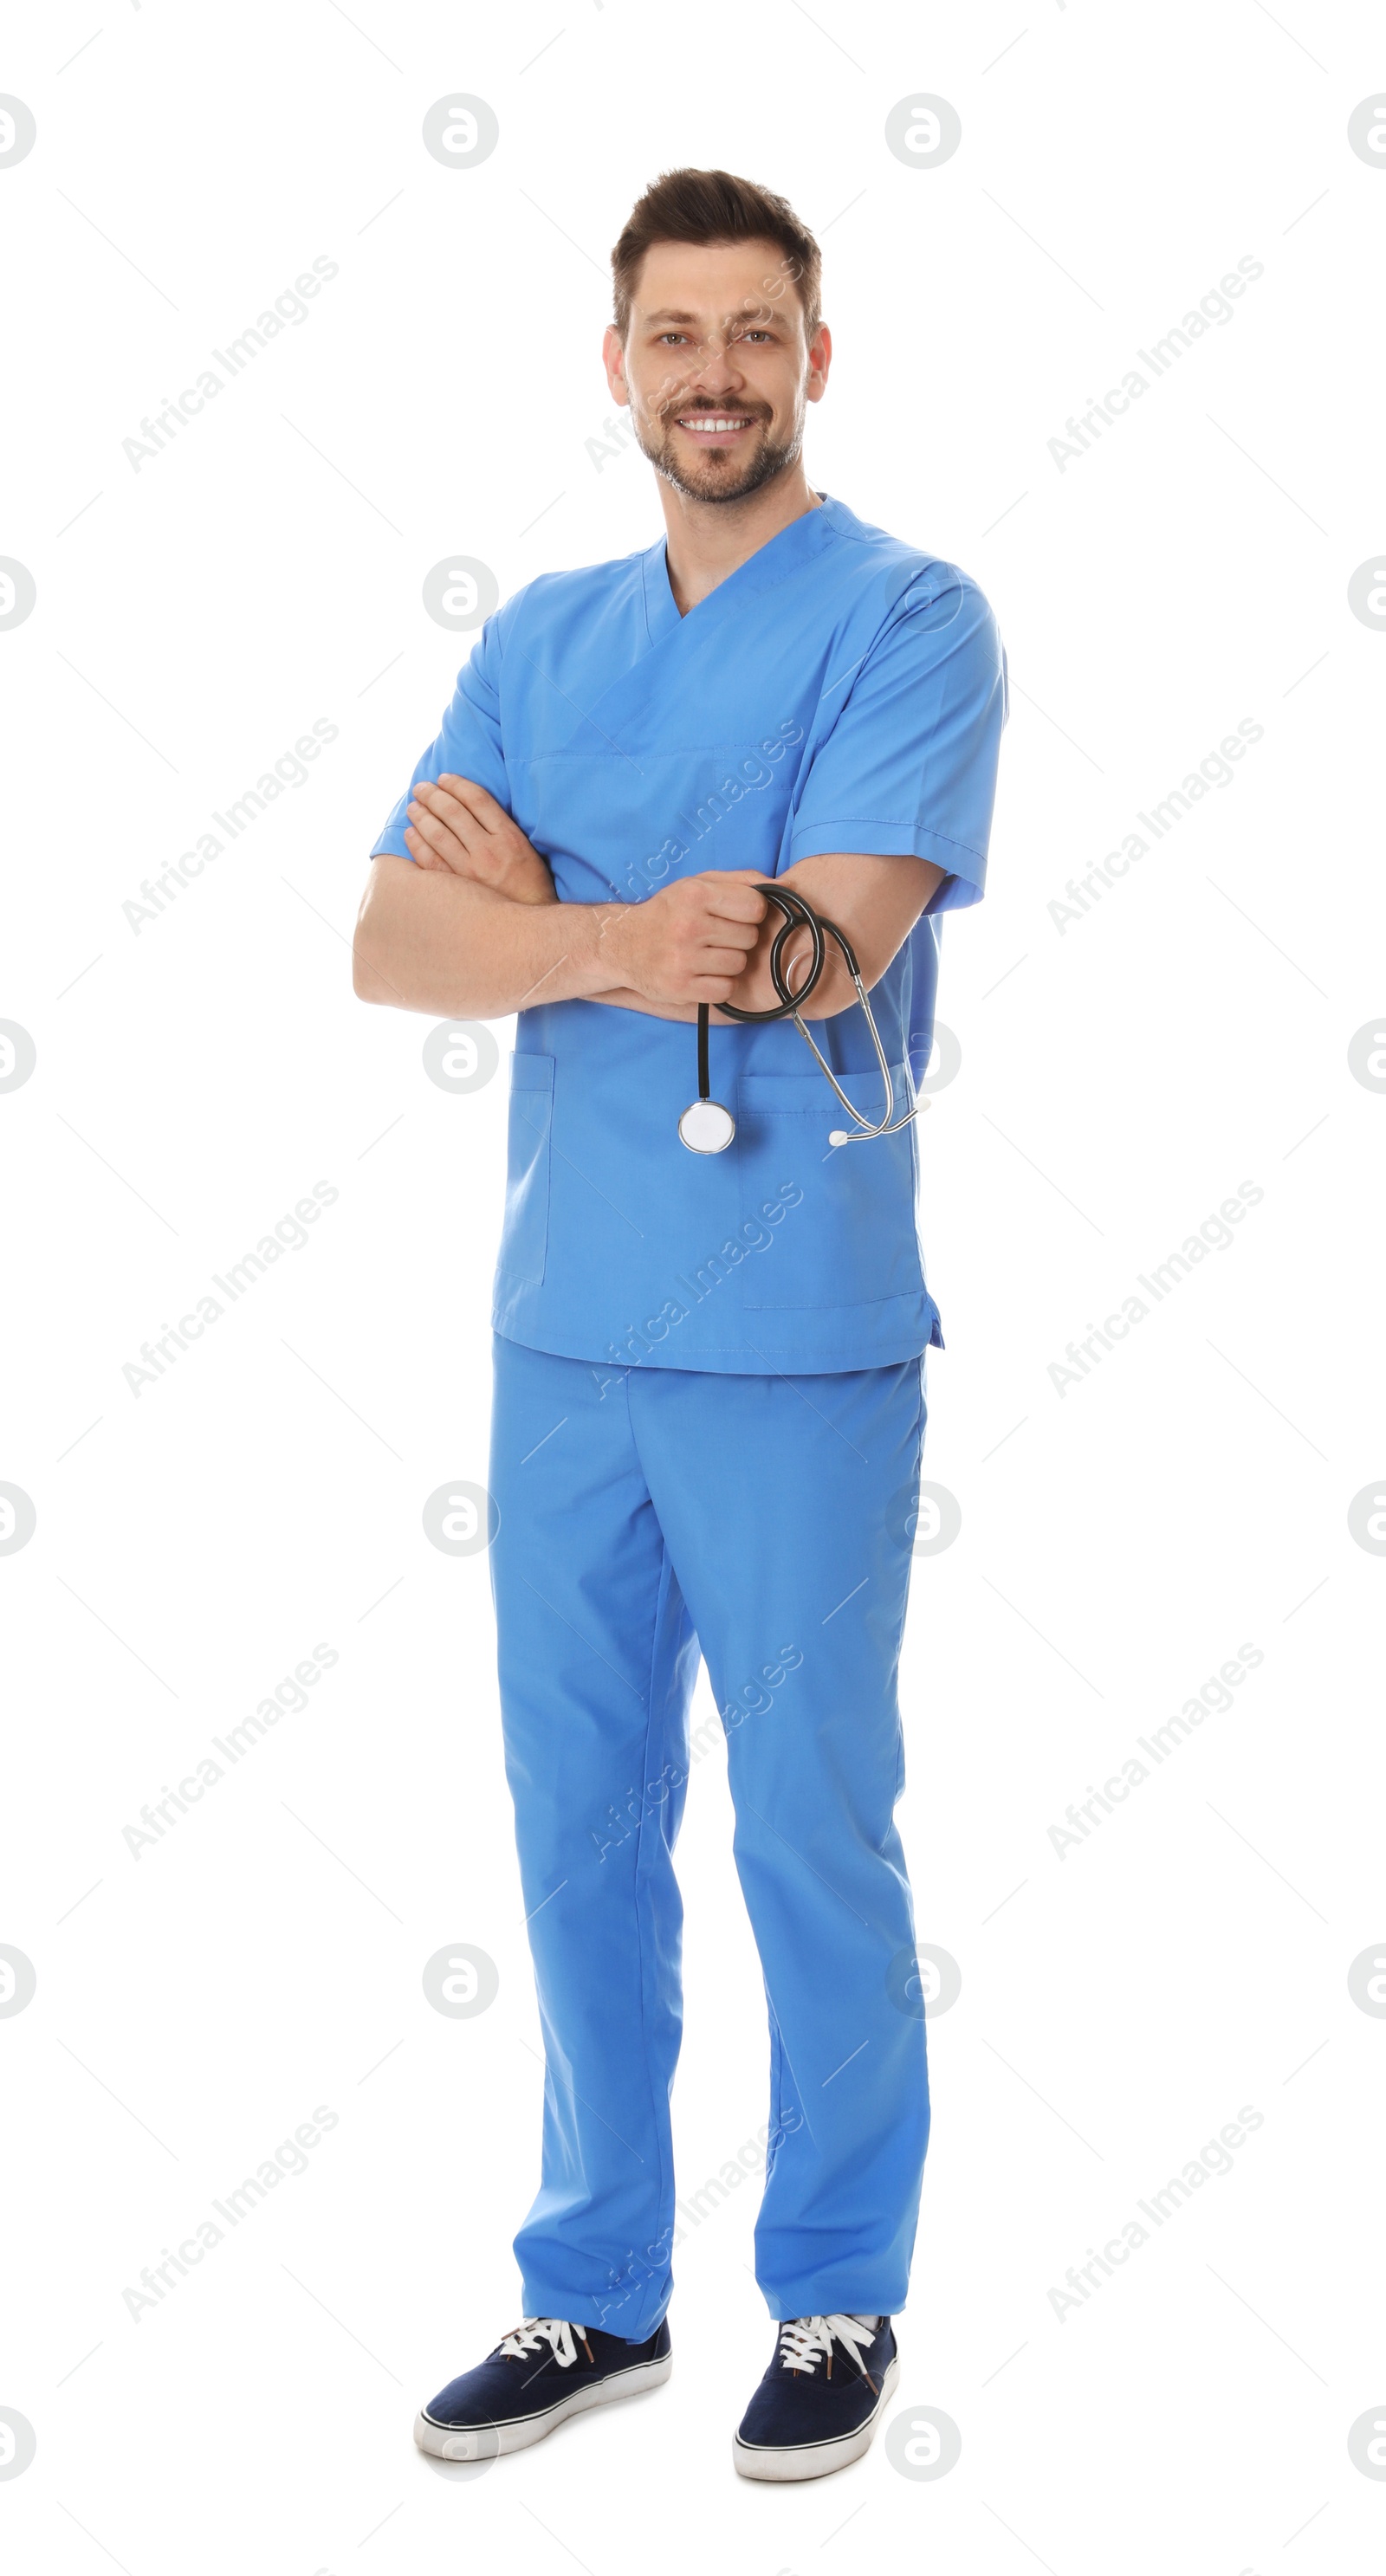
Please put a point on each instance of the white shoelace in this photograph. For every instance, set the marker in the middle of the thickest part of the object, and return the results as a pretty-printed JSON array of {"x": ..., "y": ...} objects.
[
  {"x": 534, "y": 2331},
  {"x": 805, "y": 2341}
]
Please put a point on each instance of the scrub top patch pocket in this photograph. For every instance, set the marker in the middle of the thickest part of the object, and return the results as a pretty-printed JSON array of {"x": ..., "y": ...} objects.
[
  {"x": 525, "y": 1233},
  {"x": 850, "y": 1207}
]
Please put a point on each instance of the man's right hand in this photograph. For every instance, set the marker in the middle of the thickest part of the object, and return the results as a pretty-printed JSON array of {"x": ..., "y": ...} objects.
[{"x": 689, "y": 943}]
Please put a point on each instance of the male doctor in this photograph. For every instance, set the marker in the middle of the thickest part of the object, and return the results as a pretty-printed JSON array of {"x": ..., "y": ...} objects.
[{"x": 709, "y": 1366}]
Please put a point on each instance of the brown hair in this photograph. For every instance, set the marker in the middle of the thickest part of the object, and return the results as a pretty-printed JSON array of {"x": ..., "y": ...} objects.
[{"x": 714, "y": 206}]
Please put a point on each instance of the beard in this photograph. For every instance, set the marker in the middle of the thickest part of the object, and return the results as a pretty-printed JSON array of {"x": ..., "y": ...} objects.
[{"x": 716, "y": 477}]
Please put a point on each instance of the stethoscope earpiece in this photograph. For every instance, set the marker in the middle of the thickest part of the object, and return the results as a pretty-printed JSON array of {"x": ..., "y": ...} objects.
[{"x": 706, "y": 1127}]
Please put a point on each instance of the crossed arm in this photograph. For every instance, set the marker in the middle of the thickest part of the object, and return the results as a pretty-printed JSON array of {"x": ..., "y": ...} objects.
[{"x": 471, "y": 925}]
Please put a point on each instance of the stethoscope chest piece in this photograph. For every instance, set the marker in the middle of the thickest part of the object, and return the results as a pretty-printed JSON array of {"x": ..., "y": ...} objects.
[{"x": 706, "y": 1127}]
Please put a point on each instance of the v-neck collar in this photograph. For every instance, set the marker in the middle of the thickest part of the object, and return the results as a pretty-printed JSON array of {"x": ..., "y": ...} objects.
[{"x": 803, "y": 539}]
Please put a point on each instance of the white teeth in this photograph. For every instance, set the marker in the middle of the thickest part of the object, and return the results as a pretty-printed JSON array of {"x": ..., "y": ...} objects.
[{"x": 702, "y": 427}]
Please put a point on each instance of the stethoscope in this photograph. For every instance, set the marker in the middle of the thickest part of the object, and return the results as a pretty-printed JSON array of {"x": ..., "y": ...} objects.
[{"x": 706, "y": 1127}]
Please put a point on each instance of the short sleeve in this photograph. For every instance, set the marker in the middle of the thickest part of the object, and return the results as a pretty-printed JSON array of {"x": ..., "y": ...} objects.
[
  {"x": 909, "y": 767},
  {"x": 470, "y": 742}
]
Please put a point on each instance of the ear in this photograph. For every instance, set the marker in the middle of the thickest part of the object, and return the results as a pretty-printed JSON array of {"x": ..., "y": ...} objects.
[{"x": 614, "y": 361}]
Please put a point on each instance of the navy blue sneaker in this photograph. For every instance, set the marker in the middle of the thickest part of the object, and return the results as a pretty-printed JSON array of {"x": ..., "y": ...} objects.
[
  {"x": 816, "y": 2407},
  {"x": 544, "y": 2371}
]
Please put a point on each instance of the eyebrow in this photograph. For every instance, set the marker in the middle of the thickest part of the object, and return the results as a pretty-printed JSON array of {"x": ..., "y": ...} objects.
[{"x": 755, "y": 319}]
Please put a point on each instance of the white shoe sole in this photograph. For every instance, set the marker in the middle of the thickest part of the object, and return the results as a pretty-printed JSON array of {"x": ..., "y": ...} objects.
[
  {"x": 820, "y": 2458},
  {"x": 490, "y": 2441}
]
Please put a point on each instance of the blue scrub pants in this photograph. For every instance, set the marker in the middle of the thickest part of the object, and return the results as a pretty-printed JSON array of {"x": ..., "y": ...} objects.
[{"x": 767, "y": 1522}]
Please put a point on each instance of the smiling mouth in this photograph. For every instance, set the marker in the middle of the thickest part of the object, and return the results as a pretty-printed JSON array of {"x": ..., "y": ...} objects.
[{"x": 714, "y": 424}]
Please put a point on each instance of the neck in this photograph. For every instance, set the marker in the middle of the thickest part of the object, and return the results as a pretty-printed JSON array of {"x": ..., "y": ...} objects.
[{"x": 707, "y": 540}]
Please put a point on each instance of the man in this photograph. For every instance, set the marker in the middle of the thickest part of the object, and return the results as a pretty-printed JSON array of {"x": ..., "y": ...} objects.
[{"x": 709, "y": 1401}]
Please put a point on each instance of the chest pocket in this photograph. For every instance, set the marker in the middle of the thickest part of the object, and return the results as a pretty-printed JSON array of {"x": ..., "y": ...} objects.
[
  {"x": 525, "y": 1234},
  {"x": 848, "y": 1238}
]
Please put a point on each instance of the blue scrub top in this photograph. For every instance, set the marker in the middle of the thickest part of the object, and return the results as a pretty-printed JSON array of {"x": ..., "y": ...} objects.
[{"x": 840, "y": 691}]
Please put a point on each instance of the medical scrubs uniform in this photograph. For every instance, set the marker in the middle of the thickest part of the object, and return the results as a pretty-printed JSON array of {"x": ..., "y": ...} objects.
[{"x": 709, "y": 1397}]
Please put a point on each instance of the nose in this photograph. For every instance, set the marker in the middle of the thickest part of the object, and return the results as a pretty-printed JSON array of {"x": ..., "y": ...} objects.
[{"x": 717, "y": 371}]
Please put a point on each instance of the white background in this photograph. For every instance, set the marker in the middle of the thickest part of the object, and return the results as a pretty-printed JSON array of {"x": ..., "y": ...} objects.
[{"x": 1120, "y": 1540}]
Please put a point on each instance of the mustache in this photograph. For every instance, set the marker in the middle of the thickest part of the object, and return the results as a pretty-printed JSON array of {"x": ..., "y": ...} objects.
[{"x": 735, "y": 410}]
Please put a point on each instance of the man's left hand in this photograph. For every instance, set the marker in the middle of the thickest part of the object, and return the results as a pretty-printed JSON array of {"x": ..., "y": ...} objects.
[{"x": 457, "y": 826}]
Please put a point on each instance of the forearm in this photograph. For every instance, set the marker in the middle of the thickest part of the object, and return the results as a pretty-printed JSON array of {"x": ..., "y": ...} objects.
[{"x": 428, "y": 940}]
